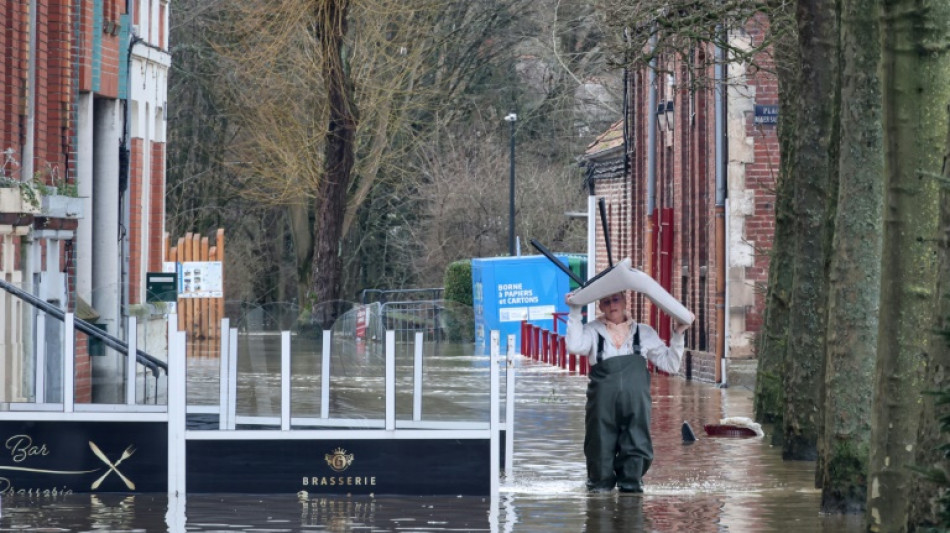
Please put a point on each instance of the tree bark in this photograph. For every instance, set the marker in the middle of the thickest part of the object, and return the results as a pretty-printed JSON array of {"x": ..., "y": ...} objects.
[
  {"x": 813, "y": 202},
  {"x": 854, "y": 284},
  {"x": 925, "y": 508},
  {"x": 916, "y": 90},
  {"x": 301, "y": 233},
  {"x": 769, "y": 403},
  {"x": 331, "y": 21}
]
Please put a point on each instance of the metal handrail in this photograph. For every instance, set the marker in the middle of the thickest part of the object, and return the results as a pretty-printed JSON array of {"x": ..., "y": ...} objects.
[
  {"x": 435, "y": 291},
  {"x": 148, "y": 361}
]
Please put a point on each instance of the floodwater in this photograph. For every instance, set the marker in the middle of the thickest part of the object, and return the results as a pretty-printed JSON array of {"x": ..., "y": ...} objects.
[{"x": 713, "y": 484}]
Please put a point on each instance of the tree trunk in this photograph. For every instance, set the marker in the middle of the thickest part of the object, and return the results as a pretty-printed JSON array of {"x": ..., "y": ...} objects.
[
  {"x": 330, "y": 18},
  {"x": 301, "y": 233},
  {"x": 854, "y": 285},
  {"x": 772, "y": 342},
  {"x": 813, "y": 200},
  {"x": 916, "y": 90},
  {"x": 925, "y": 509}
]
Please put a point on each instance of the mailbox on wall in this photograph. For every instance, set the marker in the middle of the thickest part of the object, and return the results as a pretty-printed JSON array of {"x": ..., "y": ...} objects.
[{"x": 507, "y": 290}]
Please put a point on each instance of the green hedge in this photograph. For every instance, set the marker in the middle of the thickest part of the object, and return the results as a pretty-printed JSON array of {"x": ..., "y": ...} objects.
[
  {"x": 458, "y": 282},
  {"x": 459, "y": 318}
]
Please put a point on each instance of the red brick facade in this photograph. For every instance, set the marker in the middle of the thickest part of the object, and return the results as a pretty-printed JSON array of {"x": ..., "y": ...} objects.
[
  {"x": 156, "y": 209},
  {"x": 146, "y": 216},
  {"x": 680, "y": 236},
  {"x": 72, "y": 56},
  {"x": 135, "y": 220}
]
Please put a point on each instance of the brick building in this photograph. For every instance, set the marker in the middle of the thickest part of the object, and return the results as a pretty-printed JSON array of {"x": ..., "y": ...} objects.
[
  {"x": 688, "y": 176},
  {"x": 82, "y": 100}
]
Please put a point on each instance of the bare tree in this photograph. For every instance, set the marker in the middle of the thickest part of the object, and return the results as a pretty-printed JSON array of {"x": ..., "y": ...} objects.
[{"x": 467, "y": 199}]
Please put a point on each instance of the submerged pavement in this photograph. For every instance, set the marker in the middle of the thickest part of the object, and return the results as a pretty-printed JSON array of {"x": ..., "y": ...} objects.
[{"x": 712, "y": 484}]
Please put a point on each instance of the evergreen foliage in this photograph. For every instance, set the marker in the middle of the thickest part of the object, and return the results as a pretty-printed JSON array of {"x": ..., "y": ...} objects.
[
  {"x": 458, "y": 282},
  {"x": 460, "y": 317}
]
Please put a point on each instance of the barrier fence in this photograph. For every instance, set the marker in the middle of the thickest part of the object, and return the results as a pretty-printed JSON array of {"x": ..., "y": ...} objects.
[
  {"x": 550, "y": 347},
  {"x": 275, "y": 451}
]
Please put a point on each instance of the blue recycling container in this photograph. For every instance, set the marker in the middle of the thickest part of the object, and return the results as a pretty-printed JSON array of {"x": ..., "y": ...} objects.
[{"x": 507, "y": 290}]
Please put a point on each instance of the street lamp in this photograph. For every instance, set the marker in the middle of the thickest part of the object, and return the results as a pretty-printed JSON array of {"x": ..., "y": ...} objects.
[{"x": 511, "y": 118}]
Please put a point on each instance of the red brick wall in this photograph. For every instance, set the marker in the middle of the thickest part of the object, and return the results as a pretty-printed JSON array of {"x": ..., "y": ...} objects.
[
  {"x": 63, "y": 67},
  {"x": 136, "y": 219},
  {"x": 83, "y": 382},
  {"x": 84, "y": 46},
  {"x": 14, "y": 19},
  {"x": 686, "y": 182},
  {"x": 109, "y": 62},
  {"x": 760, "y": 176},
  {"x": 156, "y": 208},
  {"x": 55, "y": 107},
  {"x": 145, "y": 227},
  {"x": 54, "y": 95}
]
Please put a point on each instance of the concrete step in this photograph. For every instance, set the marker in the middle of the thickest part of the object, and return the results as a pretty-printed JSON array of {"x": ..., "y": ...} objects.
[{"x": 741, "y": 372}]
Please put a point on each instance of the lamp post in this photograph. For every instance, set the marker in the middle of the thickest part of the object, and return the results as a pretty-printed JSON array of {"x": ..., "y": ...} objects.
[{"x": 510, "y": 118}]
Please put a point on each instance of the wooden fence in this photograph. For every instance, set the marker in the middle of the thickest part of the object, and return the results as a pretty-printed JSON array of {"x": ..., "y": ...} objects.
[{"x": 199, "y": 318}]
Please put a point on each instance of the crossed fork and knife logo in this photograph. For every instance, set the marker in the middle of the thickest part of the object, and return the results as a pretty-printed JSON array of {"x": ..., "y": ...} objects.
[{"x": 113, "y": 467}]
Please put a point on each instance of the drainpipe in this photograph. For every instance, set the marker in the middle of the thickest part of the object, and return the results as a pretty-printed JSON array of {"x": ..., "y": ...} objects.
[
  {"x": 722, "y": 292},
  {"x": 626, "y": 111},
  {"x": 26, "y": 174},
  {"x": 125, "y": 173},
  {"x": 651, "y": 160},
  {"x": 591, "y": 236}
]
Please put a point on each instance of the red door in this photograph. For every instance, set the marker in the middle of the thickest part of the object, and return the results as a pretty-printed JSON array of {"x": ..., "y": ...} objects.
[{"x": 662, "y": 266}]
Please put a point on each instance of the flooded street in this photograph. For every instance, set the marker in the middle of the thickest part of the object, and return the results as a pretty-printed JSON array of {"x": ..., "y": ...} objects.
[{"x": 713, "y": 484}]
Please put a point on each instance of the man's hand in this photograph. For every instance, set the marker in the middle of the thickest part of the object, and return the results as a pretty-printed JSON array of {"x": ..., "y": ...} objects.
[
  {"x": 679, "y": 329},
  {"x": 567, "y": 298}
]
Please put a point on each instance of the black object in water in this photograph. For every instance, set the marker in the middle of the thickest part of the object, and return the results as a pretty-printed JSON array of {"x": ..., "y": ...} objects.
[{"x": 688, "y": 435}]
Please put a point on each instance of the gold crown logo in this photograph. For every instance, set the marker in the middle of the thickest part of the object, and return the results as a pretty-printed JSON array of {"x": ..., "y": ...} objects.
[{"x": 339, "y": 460}]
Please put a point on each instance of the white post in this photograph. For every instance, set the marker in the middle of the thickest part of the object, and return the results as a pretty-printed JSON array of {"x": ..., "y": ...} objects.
[
  {"x": 175, "y": 515},
  {"x": 69, "y": 363},
  {"x": 325, "y": 376},
  {"x": 493, "y": 416},
  {"x": 130, "y": 362},
  {"x": 510, "y": 411},
  {"x": 225, "y": 367},
  {"x": 176, "y": 409},
  {"x": 39, "y": 383},
  {"x": 390, "y": 380},
  {"x": 232, "y": 378},
  {"x": 285, "y": 380},
  {"x": 417, "y": 379},
  {"x": 182, "y": 390}
]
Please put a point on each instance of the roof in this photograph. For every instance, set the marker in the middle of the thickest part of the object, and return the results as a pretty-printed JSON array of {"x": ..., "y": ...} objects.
[{"x": 606, "y": 141}]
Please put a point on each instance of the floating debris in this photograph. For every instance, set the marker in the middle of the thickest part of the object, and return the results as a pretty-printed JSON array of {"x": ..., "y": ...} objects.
[{"x": 737, "y": 426}]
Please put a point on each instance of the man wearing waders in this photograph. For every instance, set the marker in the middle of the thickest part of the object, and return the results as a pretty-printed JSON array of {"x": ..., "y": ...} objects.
[{"x": 617, "y": 440}]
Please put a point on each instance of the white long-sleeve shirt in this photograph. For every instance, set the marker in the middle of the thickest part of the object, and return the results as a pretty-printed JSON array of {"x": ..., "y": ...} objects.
[{"x": 582, "y": 339}]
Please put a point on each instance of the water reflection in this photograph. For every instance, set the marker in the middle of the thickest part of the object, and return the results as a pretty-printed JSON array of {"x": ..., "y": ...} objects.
[
  {"x": 714, "y": 484},
  {"x": 610, "y": 513}
]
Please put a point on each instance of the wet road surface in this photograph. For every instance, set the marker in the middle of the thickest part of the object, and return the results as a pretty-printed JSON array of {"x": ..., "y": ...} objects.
[{"x": 713, "y": 484}]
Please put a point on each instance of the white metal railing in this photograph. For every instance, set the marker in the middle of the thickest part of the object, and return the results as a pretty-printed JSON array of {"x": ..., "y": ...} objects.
[
  {"x": 229, "y": 419},
  {"x": 41, "y": 386},
  {"x": 176, "y": 412},
  {"x": 67, "y": 381}
]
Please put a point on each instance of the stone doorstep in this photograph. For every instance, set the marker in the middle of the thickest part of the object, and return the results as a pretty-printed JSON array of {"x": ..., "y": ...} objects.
[{"x": 741, "y": 372}]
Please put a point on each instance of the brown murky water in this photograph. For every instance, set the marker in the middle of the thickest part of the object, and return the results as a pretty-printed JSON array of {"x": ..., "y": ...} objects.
[{"x": 713, "y": 484}]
